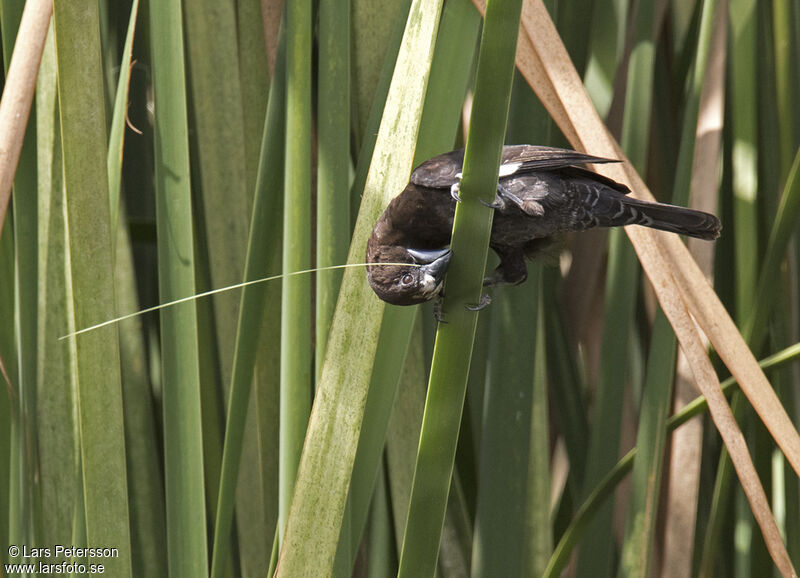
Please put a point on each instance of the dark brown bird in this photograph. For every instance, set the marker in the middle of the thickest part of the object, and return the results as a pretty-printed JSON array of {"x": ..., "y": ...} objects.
[{"x": 542, "y": 193}]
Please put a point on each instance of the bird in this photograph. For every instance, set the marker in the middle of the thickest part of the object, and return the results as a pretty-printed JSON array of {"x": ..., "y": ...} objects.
[{"x": 542, "y": 194}]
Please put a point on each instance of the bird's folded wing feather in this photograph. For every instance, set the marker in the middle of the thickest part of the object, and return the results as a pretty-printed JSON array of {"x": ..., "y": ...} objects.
[
  {"x": 526, "y": 158},
  {"x": 444, "y": 170}
]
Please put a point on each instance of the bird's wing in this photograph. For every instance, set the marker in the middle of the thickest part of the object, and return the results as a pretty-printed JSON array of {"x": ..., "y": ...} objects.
[
  {"x": 444, "y": 170},
  {"x": 527, "y": 158}
]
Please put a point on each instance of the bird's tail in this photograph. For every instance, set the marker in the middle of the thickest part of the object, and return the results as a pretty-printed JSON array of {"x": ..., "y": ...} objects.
[{"x": 665, "y": 217}]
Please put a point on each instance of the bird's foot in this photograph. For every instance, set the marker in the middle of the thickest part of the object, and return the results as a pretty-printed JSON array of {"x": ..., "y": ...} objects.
[
  {"x": 496, "y": 204},
  {"x": 455, "y": 187},
  {"x": 500, "y": 200},
  {"x": 485, "y": 301},
  {"x": 530, "y": 207}
]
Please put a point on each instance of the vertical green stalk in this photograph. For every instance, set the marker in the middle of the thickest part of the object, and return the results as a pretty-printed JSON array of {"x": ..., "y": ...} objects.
[
  {"x": 470, "y": 244},
  {"x": 382, "y": 558},
  {"x": 261, "y": 441},
  {"x": 539, "y": 534},
  {"x": 639, "y": 89},
  {"x": 296, "y": 296},
  {"x": 183, "y": 435},
  {"x": 255, "y": 78},
  {"x": 25, "y": 313},
  {"x": 333, "y": 158},
  {"x": 263, "y": 255},
  {"x": 99, "y": 395}
]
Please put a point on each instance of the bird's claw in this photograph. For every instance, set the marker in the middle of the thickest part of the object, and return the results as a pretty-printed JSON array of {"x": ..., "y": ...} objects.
[
  {"x": 485, "y": 301},
  {"x": 455, "y": 187},
  {"x": 454, "y": 192},
  {"x": 496, "y": 204}
]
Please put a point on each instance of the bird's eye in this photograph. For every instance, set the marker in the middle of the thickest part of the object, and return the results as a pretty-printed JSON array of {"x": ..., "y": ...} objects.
[{"x": 407, "y": 279}]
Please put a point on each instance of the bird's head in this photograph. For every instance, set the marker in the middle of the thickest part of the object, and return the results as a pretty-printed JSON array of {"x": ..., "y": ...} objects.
[{"x": 418, "y": 281}]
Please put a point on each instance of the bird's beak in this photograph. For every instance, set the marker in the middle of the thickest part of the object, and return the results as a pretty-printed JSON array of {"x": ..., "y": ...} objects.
[
  {"x": 434, "y": 262},
  {"x": 429, "y": 257}
]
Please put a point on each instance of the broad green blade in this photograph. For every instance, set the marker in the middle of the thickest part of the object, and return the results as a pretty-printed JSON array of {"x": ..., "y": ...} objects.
[
  {"x": 333, "y": 162},
  {"x": 99, "y": 395},
  {"x": 183, "y": 435},
  {"x": 296, "y": 361},
  {"x": 57, "y": 427}
]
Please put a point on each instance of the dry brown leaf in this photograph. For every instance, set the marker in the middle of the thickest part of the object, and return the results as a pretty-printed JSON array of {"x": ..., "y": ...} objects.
[
  {"x": 676, "y": 278},
  {"x": 15, "y": 105}
]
